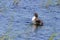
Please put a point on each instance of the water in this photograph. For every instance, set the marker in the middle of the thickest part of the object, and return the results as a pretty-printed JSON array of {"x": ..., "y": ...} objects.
[{"x": 15, "y": 20}]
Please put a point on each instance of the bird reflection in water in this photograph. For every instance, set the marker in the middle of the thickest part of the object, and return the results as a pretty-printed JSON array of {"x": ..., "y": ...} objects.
[{"x": 35, "y": 27}]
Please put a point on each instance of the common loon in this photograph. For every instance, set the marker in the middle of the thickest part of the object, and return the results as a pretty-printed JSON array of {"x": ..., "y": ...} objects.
[{"x": 36, "y": 20}]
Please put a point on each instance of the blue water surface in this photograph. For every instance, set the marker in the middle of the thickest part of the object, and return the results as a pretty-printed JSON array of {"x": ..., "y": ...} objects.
[{"x": 16, "y": 15}]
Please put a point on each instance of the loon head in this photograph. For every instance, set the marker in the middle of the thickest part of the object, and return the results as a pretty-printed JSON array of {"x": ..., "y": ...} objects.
[{"x": 36, "y": 15}]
